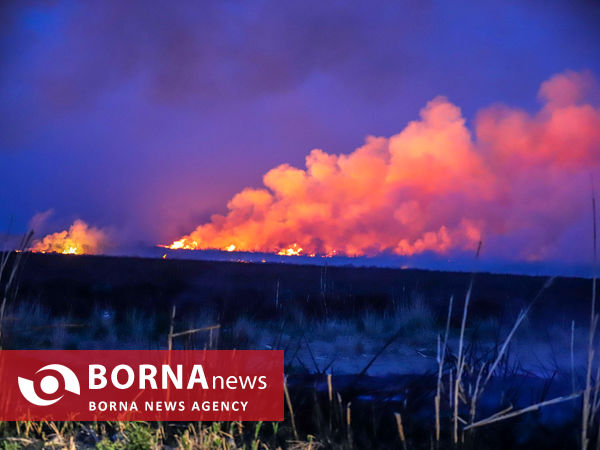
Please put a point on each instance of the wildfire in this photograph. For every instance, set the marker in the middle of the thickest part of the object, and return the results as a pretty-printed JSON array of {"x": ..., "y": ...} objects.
[
  {"x": 79, "y": 239},
  {"x": 183, "y": 244},
  {"x": 436, "y": 186},
  {"x": 293, "y": 250}
]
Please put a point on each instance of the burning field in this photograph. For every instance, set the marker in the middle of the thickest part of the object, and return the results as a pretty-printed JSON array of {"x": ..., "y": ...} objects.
[
  {"x": 435, "y": 186},
  {"x": 397, "y": 342},
  {"x": 79, "y": 239},
  {"x": 517, "y": 181},
  {"x": 399, "y": 198},
  {"x": 371, "y": 344}
]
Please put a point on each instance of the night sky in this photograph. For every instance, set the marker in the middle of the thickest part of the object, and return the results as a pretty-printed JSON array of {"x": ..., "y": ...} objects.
[{"x": 146, "y": 118}]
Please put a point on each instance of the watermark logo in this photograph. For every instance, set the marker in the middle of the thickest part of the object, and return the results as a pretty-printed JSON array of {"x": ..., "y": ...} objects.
[
  {"x": 49, "y": 385},
  {"x": 154, "y": 385}
]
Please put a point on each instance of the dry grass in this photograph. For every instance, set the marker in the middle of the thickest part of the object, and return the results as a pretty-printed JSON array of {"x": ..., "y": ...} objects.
[
  {"x": 10, "y": 263},
  {"x": 441, "y": 361}
]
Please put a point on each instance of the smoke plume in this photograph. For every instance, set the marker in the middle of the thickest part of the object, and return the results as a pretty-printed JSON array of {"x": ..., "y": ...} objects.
[
  {"x": 519, "y": 180},
  {"x": 78, "y": 239}
]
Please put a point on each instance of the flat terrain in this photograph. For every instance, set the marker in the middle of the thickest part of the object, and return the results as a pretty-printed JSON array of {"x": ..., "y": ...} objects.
[
  {"x": 385, "y": 324},
  {"x": 347, "y": 312},
  {"x": 79, "y": 283}
]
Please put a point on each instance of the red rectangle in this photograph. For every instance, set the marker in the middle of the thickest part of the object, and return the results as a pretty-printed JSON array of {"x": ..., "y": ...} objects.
[{"x": 141, "y": 385}]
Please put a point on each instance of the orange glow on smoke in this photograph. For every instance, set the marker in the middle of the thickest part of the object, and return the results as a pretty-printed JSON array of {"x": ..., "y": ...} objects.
[
  {"x": 437, "y": 185},
  {"x": 79, "y": 239}
]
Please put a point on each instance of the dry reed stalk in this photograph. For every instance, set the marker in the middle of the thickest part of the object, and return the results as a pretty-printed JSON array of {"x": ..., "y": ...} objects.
[
  {"x": 598, "y": 438},
  {"x": 460, "y": 361},
  {"x": 330, "y": 394},
  {"x": 9, "y": 289},
  {"x": 194, "y": 330},
  {"x": 340, "y": 407},
  {"x": 450, "y": 388},
  {"x": 520, "y": 317},
  {"x": 400, "y": 427},
  {"x": 499, "y": 416},
  {"x": 594, "y": 403},
  {"x": 586, "y": 413},
  {"x": 349, "y": 424},
  {"x": 312, "y": 356},
  {"x": 170, "y": 343},
  {"x": 480, "y": 387},
  {"x": 441, "y": 357},
  {"x": 460, "y": 357},
  {"x": 23, "y": 246},
  {"x": 395, "y": 336},
  {"x": 476, "y": 393},
  {"x": 171, "y": 326},
  {"x": 586, "y": 409},
  {"x": 291, "y": 410}
]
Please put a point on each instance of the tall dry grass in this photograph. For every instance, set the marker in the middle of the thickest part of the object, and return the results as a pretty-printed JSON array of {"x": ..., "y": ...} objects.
[{"x": 10, "y": 264}]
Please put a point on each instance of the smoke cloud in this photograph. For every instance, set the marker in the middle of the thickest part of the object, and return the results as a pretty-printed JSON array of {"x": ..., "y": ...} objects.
[
  {"x": 517, "y": 180},
  {"x": 78, "y": 239}
]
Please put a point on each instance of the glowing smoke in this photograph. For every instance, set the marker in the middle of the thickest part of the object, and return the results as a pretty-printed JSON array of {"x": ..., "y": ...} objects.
[
  {"x": 434, "y": 186},
  {"x": 78, "y": 239}
]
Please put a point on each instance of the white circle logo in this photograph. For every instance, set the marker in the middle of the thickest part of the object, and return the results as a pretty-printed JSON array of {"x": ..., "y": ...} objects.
[{"x": 49, "y": 385}]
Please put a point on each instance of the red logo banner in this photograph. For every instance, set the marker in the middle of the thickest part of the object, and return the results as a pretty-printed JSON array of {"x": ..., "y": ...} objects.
[{"x": 141, "y": 385}]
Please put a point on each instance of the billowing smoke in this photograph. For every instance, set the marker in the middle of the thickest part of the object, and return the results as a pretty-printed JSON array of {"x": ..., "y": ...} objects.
[
  {"x": 521, "y": 180},
  {"x": 78, "y": 239}
]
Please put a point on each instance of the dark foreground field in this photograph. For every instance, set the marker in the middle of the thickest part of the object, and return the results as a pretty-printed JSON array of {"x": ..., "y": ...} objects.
[{"x": 363, "y": 347}]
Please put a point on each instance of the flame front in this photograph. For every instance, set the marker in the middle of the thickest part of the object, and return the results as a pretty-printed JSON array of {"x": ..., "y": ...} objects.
[
  {"x": 293, "y": 250},
  {"x": 183, "y": 244},
  {"x": 79, "y": 239},
  {"x": 436, "y": 186}
]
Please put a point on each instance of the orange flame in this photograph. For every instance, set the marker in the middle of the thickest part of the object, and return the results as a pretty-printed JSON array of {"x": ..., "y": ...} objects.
[
  {"x": 79, "y": 239},
  {"x": 183, "y": 244},
  {"x": 293, "y": 250}
]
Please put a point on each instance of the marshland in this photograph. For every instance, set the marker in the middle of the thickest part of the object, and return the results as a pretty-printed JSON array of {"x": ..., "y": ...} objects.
[
  {"x": 269, "y": 174},
  {"x": 375, "y": 358}
]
